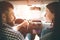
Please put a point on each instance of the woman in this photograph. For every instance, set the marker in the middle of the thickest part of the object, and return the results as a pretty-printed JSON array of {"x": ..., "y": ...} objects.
[{"x": 53, "y": 16}]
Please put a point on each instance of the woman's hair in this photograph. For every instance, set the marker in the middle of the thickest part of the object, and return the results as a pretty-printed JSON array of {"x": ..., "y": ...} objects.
[
  {"x": 55, "y": 9},
  {"x": 4, "y": 6}
]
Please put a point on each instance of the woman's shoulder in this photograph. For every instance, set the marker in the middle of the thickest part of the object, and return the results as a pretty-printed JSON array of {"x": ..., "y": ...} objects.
[{"x": 47, "y": 36}]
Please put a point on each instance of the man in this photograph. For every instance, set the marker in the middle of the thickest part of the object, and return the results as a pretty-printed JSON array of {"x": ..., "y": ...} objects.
[{"x": 7, "y": 21}]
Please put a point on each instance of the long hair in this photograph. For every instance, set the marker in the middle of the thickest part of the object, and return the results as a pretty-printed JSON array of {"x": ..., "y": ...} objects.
[{"x": 55, "y": 9}]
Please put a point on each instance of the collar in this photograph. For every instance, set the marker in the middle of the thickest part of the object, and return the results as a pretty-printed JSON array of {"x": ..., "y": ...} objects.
[{"x": 8, "y": 26}]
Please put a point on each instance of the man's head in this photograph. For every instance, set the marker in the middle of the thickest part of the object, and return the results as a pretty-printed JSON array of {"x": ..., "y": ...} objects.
[{"x": 6, "y": 12}]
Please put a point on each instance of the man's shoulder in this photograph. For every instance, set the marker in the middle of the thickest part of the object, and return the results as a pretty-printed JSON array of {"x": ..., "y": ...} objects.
[{"x": 9, "y": 33}]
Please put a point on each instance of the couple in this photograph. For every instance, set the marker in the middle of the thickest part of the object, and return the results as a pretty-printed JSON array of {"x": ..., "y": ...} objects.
[{"x": 7, "y": 21}]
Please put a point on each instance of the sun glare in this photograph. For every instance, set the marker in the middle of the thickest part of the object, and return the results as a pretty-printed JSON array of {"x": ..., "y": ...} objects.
[{"x": 24, "y": 12}]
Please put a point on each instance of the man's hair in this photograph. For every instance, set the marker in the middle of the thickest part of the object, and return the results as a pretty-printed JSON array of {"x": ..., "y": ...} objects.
[{"x": 4, "y": 5}]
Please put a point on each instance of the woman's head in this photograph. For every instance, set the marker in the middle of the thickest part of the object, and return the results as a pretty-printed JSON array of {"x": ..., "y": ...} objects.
[
  {"x": 49, "y": 15},
  {"x": 54, "y": 8},
  {"x": 52, "y": 11}
]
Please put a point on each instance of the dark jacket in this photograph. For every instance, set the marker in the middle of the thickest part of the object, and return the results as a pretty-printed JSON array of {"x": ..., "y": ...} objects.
[{"x": 47, "y": 36}]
